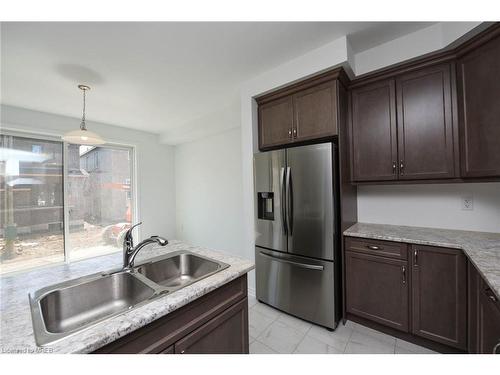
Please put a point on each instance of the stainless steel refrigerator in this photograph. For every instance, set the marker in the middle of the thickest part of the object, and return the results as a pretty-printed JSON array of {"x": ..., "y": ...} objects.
[{"x": 296, "y": 235}]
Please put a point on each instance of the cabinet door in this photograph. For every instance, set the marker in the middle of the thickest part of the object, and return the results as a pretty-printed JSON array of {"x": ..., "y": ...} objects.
[
  {"x": 439, "y": 295},
  {"x": 377, "y": 289},
  {"x": 473, "y": 288},
  {"x": 315, "y": 112},
  {"x": 276, "y": 122},
  {"x": 479, "y": 110},
  {"x": 488, "y": 321},
  {"x": 373, "y": 132},
  {"x": 227, "y": 333},
  {"x": 425, "y": 124},
  {"x": 169, "y": 350}
]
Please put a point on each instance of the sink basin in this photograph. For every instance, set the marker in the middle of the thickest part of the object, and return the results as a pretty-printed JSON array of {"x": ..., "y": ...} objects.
[
  {"x": 60, "y": 310},
  {"x": 70, "y": 308},
  {"x": 79, "y": 303},
  {"x": 179, "y": 270}
]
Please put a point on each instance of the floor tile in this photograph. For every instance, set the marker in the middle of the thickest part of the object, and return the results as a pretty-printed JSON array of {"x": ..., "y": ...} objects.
[
  {"x": 362, "y": 343},
  {"x": 371, "y": 332},
  {"x": 281, "y": 337},
  {"x": 257, "y": 347},
  {"x": 405, "y": 347},
  {"x": 298, "y": 324},
  {"x": 310, "y": 345},
  {"x": 266, "y": 310},
  {"x": 337, "y": 339},
  {"x": 257, "y": 322}
]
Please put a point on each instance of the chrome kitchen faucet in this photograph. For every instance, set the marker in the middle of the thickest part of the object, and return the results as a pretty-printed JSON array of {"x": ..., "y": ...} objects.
[{"x": 130, "y": 252}]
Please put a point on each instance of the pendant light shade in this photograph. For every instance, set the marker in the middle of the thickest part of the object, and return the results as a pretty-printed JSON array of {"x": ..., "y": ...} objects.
[{"x": 83, "y": 136}]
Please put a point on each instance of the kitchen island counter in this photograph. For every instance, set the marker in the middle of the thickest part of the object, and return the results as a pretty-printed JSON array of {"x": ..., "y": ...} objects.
[{"x": 16, "y": 330}]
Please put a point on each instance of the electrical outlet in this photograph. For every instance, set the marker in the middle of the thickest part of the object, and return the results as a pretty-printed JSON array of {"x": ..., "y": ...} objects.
[{"x": 467, "y": 203}]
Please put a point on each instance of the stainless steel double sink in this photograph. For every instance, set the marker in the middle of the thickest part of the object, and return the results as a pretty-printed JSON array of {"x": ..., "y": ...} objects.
[{"x": 71, "y": 306}]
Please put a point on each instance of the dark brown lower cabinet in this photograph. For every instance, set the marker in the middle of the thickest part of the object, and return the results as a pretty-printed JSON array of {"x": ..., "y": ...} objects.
[
  {"x": 214, "y": 323},
  {"x": 484, "y": 316},
  {"x": 423, "y": 294},
  {"x": 169, "y": 350},
  {"x": 224, "y": 334},
  {"x": 439, "y": 295},
  {"x": 377, "y": 289}
]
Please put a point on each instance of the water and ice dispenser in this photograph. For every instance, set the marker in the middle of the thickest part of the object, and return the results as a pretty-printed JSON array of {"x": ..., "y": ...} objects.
[{"x": 265, "y": 203}]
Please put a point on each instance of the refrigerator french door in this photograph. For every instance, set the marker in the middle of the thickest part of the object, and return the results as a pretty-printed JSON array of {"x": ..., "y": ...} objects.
[{"x": 296, "y": 237}]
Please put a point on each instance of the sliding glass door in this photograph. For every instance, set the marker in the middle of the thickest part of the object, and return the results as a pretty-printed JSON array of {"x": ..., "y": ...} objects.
[
  {"x": 61, "y": 201},
  {"x": 31, "y": 194}
]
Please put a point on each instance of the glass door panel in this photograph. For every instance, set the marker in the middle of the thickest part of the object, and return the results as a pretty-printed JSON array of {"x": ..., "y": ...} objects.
[{"x": 31, "y": 203}]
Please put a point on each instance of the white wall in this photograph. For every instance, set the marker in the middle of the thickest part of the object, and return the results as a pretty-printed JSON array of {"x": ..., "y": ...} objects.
[
  {"x": 209, "y": 192},
  {"x": 155, "y": 162},
  {"x": 412, "y": 45},
  {"x": 437, "y": 206}
]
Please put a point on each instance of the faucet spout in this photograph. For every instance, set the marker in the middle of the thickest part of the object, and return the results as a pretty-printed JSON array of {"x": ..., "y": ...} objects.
[{"x": 130, "y": 252}]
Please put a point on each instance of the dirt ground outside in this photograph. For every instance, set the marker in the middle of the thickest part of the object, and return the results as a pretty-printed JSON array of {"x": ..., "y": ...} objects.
[{"x": 44, "y": 249}]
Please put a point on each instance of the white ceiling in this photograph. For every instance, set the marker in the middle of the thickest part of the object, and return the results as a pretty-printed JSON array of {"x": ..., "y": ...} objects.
[{"x": 158, "y": 76}]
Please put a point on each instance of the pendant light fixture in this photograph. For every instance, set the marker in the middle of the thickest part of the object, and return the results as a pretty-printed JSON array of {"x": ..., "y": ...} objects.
[{"x": 83, "y": 136}]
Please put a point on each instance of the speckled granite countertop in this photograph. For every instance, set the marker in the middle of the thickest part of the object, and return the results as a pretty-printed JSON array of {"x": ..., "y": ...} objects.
[
  {"x": 16, "y": 332},
  {"x": 482, "y": 248}
]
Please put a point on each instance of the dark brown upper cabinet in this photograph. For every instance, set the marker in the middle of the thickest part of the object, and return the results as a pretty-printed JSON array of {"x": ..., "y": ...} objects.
[
  {"x": 479, "y": 107},
  {"x": 439, "y": 295},
  {"x": 426, "y": 131},
  {"x": 303, "y": 112},
  {"x": 373, "y": 132},
  {"x": 447, "y": 110},
  {"x": 402, "y": 128},
  {"x": 276, "y": 122},
  {"x": 315, "y": 112}
]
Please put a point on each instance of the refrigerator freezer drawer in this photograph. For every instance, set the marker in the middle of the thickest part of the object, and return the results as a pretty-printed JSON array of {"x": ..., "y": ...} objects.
[{"x": 297, "y": 285}]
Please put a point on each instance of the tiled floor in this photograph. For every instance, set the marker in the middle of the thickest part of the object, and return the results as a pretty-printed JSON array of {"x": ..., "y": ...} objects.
[{"x": 273, "y": 332}]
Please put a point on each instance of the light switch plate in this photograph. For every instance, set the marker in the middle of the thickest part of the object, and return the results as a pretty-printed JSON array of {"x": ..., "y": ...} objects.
[{"x": 467, "y": 202}]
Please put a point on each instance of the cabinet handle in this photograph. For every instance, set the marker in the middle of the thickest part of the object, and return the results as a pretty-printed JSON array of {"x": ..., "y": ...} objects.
[
  {"x": 372, "y": 247},
  {"x": 401, "y": 167},
  {"x": 403, "y": 269},
  {"x": 182, "y": 352},
  {"x": 394, "y": 166},
  {"x": 496, "y": 347},
  {"x": 290, "y": 133},
  {"x": 295, "y": 133},
  {"x": 415, "y": 257},
  {"x": 489, "y": 293}
]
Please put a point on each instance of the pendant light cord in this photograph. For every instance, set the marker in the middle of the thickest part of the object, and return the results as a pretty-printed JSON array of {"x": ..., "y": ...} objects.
[{"x": 83, "y": 125}]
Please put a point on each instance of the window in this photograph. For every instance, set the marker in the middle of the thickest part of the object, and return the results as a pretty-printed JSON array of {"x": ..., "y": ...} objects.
[
  {"x": 31, "y": 206},
  {"x": 47, "y": 186}
]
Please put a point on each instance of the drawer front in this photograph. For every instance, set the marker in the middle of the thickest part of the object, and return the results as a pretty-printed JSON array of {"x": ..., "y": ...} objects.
[
  {"x": 387, "y": 249},
  {"x": 227, "y": 333}
]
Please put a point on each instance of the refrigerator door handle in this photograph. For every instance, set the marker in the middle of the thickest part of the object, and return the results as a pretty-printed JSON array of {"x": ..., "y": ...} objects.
[
  {"x": 283, "y": 200},
  {"x": 298, "y": 264},
  {"x": 289, "y": 197}
]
